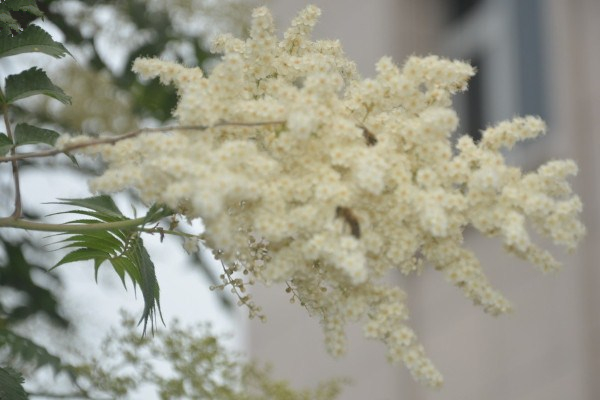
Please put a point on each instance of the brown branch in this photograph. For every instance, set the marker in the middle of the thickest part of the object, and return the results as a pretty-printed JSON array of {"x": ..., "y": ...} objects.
[
  {"x": 114, "y": 139},
  {"x": 74, "y": 395},
  {"x": 15, "y": 167}
]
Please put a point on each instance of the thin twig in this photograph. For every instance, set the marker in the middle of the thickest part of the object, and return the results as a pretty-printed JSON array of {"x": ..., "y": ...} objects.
[
  {"x": 15, "y": 166},
  {"x": 114, "y": 139},
  {"x": 75, "y": 395},
  {"x": 164, "y": 232}
]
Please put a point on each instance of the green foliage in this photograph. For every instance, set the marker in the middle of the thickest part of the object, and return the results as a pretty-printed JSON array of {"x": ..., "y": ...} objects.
[
  {"x": 202, "y": 362},
  {"x": 29, "y": 6},
  {"x": 186, "y": 363},
  {"x": 16, "y": 272},
  {"x": 150, "y": 98},
  {"x": 259, "y": 385},
  {"x": 11, "y": 385},
  {"x": 16, "y": 14},
  {"x": 122, "y": 248},
  {"x": 8, "y": 23}
]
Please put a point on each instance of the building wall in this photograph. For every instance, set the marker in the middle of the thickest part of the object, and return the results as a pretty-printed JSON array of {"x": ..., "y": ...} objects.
[
  {"x": 549, "y": 348},
  {"x": 370, "y": 30},
  {"x": 576, "y": 96}
]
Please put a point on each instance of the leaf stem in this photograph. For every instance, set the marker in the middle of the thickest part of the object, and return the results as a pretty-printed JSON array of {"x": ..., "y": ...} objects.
[
  {"x": 44, "y": 227},
  {"x": 15, "y": 167},
  {"x": 114, "y": 139},
  {"x": 135, "y": 224}
]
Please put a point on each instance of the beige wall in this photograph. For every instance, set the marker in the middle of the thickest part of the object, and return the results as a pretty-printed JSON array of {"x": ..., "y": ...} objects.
[
  {"x": 369, "y": 30},
  {"x": 549, "y": 348},
  {"x": 577, "y": 100}
]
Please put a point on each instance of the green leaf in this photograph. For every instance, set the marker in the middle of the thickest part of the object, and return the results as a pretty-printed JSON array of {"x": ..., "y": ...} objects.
[
  {"x": 11, "y": 385},
  {"x": 32, "y": 82},
  {"x": 33, "y": 39},
  {"x": 29, "y": 134},
  {"x": 24, "y": 5},
  {"x": 10, "y": 22},
  {"x": 148, "y": 283},
  {"x": 73, "y": 159},
  {"x": 123, "y": 267},
  {"x": 5, "y": 144}
]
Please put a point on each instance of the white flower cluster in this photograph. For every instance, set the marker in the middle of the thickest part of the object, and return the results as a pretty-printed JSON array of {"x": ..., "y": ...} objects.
[{"x": 340, "y": 179}]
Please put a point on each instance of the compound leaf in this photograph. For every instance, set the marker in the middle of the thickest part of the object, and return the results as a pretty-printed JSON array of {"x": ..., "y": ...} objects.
[{"x": 122, "y": 248}]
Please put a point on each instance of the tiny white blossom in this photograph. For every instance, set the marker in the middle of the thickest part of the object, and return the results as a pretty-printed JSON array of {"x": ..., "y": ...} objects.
[{"x": 190, "y": 245}]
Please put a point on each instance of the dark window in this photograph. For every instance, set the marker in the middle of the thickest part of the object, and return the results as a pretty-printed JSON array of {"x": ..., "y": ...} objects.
[
  {"x": 458, "y": 8},
  {"x": 474, "y": 119},
  {"x": 504, "y": 40},
  {"x": 531, "y": 65},
  {"x": 471, "y": 104}
]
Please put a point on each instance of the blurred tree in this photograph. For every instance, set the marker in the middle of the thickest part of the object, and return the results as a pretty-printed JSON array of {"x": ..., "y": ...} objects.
[
  {"x": 108, "y": 36},
  {"x": 201, "y": 368},
  {"x": 107, "y": 96}
]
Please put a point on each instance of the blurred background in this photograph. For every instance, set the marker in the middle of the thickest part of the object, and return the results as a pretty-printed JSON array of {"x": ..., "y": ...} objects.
[{"x": 537, "y": 57}]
